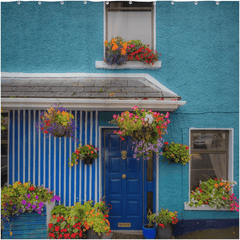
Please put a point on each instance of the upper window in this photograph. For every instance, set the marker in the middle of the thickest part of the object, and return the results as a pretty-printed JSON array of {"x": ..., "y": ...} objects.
[
  {"x": 130, "y": 21},
  {"x": 210, "y": 156}
]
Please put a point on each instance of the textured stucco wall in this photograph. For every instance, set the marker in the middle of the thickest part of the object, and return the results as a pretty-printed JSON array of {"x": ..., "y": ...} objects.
[{"x": 200, "y": 62}]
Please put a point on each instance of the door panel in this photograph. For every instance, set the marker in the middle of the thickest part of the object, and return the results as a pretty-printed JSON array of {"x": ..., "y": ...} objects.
[{"x": 124, "y": 194}]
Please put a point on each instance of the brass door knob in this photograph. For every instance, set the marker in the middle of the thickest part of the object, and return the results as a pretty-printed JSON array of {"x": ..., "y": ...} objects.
[{"x": 124, "y": 176}]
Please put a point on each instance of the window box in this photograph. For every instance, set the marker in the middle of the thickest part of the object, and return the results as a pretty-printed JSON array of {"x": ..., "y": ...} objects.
[
  {"x": 128, "y": 65},
  {"x": 203, "y": 208}
]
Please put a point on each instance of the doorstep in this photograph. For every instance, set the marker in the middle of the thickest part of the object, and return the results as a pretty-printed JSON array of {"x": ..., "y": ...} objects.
[{"x": 104, "y": 236}]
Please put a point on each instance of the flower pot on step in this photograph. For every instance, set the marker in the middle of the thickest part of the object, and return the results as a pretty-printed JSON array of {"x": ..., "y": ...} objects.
[
  {"x": 149, "y": 233},
  {"x": 93, "y": 235},
  {"x": 165, "y": 233}
]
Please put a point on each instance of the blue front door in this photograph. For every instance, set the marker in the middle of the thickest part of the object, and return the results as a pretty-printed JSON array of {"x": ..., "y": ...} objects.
[{"x": 123, "y": 183}]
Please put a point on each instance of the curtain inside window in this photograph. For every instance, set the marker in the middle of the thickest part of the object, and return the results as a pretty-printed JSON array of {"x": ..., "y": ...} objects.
[
  {"x": 219, "y": 164},
  {"x": 130, "y": 26}
]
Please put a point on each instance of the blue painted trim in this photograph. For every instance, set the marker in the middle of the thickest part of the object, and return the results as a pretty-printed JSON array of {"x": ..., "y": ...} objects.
[
  {"x": 21, "y": 147},
  {"x": 185, "y": 226},
  {"x": 10, "y": 158}
]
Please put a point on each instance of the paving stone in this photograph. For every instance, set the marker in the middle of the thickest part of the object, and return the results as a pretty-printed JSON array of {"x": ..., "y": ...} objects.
[
  {"x": 24, "y": 89},
  {"x": 82, "y": 94},
  {"x": 118, "y": 95},
  {"x": 41, "y": 89},
  {"x": 58, "y": 89},
  {"x": 53, "y": 83},
  {"x": 6, "y": 82},
  {"x": 75, "y": 89},
  {"x": 86, "y": 83},
  {"x": 119, "y": 83},
  {"x": 69, "y": 83},
  {"x": 99, "y": 83},
  {"x": 93, "y": 89},
  {"x": 27, "y": 94},
  {"x": 153, "y": 95},
  {"x": 135, "y": 95},
  {"x": 37, "y": 83},
  {"x": 99, "y": 95},
  {"x": 7, "y": 89},
  {"x": 135, "y": 83},
  {"x": 20, "y": 83},
  {"x": 9, "y": 94},
  {"x": 63, "y": 94},
  {"x": 45, "y": 94}
]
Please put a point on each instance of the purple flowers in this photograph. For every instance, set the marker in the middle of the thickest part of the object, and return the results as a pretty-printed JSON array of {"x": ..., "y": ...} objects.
[
  {"x": 24, "y": 202},
  {"x": 55, "y": 198},
  {"x": 28, "y": 196}
]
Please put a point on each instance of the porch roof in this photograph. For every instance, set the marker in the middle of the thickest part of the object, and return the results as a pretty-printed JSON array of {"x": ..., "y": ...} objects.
[{"x": 86, "y": 91}]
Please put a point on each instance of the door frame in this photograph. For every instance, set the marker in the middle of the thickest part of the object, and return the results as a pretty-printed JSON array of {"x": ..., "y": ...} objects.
[{"x": 155, "y": 174}]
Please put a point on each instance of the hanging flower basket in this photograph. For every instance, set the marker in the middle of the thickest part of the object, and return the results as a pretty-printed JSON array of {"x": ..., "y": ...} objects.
[
  {"x": 57, "y": 122},
  {"x": 87, "y": 153},
  {"x": 145, "y": 127},
  {"x": 176, "y": 153}
]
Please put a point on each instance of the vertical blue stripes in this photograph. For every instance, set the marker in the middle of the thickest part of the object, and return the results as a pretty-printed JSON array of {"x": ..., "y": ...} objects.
[{"x": 44, "y": 160}]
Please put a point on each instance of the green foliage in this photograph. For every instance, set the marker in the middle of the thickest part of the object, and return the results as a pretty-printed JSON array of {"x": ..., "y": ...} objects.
[
  {"x": 151, "y": 219},
  {"x": 214, "y": 193},
  {"x": 83, "y": 152},
  {"x": 176, "y": 152},
  {"x": 73, "y": 222},
  {"x": 19, "y": 198},
  {"x": 165, "y": 217}
]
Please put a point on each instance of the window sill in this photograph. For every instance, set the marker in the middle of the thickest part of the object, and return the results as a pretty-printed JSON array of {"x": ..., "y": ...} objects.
[
  {"x": 203, "y": 208},
  {"x": 128, "y": 65}
]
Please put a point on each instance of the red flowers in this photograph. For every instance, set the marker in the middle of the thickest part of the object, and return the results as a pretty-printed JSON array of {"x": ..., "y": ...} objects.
[
  {"x": 57, "y": 228},
  {"x": 166, "y": 143},
  {"x": 31, "y": 188},
  {"x": 187, "y": 148},
  {"x": 50, "y": 225},
  {"x": 160, "y": 224}
]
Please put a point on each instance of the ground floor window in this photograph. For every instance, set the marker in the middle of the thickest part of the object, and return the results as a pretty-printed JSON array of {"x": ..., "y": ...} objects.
[{"x": 210, "y": 155}]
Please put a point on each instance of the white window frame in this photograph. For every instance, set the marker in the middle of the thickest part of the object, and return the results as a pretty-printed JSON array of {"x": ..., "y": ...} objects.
[
  {"x": 130, "y": 64},
  {"x": 230, "y": 169}
]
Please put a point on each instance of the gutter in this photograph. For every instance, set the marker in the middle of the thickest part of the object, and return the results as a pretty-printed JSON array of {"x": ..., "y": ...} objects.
[{"x": 89, "y": 104}]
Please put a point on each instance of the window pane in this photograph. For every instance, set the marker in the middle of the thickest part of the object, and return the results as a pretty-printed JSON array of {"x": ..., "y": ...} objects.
[
  {"x": 130, "y": 26},
  {"x": 205, "y": 166},
  {"x": 210, "y": 141}
]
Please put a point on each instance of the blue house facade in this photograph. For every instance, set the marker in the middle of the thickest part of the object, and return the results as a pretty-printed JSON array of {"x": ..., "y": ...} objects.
[{"x": 50, "y": 50}]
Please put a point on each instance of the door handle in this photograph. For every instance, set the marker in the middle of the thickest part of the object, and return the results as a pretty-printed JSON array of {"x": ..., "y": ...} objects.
[{"x": 124, "y": 176}]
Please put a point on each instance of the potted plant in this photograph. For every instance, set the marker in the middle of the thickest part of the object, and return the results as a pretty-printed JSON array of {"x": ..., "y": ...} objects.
[
  {"x": 18, "y": 200},
  {"x": 149, "y": 230},
  {"x": 87, "y": 153},
  {"x": 214, "y": 193},
  {"x": 176, "y": 153},
  {"x": 56, "y": 122},
  {"x": 145, "y": 127},
  {"x": 118, "y": 51},
  {"x": 164, "y": 220},
  {"x": 2, "y": 121},
  {"x": 96, "y": 220}
]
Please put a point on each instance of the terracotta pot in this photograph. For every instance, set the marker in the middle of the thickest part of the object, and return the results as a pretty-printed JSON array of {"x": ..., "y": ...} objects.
[
  {"x": 88, "y": 160},
  {"x": 165, "y": 233}
]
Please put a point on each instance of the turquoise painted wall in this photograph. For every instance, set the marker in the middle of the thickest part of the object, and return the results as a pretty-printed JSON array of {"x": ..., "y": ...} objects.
[{"x": 200, "y": 62}]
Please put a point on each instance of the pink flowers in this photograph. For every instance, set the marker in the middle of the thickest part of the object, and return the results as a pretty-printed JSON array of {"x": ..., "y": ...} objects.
[
  {"x": 136, "y": 116},
  {"x": 135, "y": 108},
  {"x": 114, "y": 116},
  {"x": 167, "y": 115}
]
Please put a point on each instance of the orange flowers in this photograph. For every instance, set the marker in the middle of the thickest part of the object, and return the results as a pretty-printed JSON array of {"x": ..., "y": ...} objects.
[{"x": 114, "y": 47}]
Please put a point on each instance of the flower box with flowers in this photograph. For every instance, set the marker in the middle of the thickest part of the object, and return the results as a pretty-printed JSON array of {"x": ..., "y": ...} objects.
[
  {"x": 119, "y": 51},
  {"x": 145, "y": 127},
  {"x": 86, "y": 153},
  {"x": 214, "y": 193},
  {"x": 79, "y": 221},
  {"x": 24, "y": 210},
  {"x": 57, "y": 122}
]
